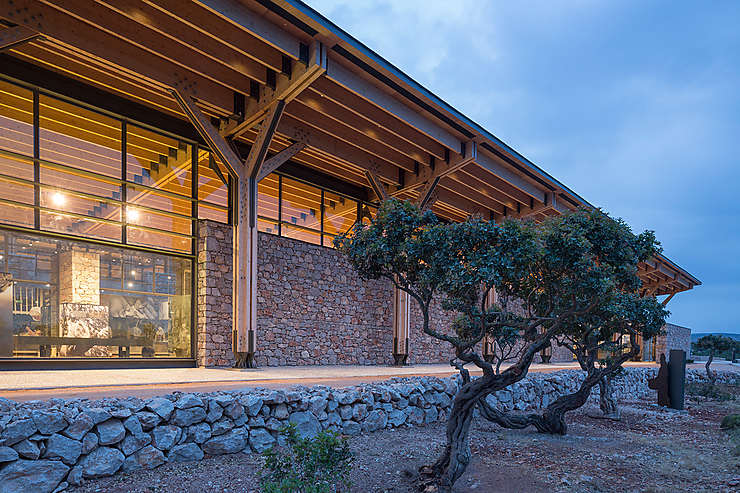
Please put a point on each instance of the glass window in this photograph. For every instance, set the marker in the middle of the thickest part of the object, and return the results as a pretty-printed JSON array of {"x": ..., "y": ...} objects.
[
  {"x": 79, "y": 137},
  {"x": 301, "y": 234},
  {"x": 156, "y": 200},
  {"x": 16, "y": 119},
  {"x": 213, "y": 192},
  {"x": 158, "y": 239},
  {"x": 301, "y": 205},
  {"x": 15, "y": 166},
  {"x": 340, "y": 214},
  {"x": 158, "y": 161},
  {"x": 65, "y": 299},
  {"x": 267, "y": 197}
]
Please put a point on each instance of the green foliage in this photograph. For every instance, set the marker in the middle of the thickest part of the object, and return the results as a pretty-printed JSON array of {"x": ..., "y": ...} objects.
[
  {"x": 730, "y": 422},
  {"x": 307, "y": 465},
  {"x": 573, "y": 275},
  {"x": 715, "y": 344}
]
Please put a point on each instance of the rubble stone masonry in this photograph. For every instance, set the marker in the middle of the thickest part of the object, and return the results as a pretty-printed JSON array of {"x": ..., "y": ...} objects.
[
  {"x": 215, "y": 281},
  {"x": 313, "y": 309}
]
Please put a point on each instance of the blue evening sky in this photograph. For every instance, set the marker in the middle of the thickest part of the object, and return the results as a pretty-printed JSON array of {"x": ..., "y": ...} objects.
[{"x": 635, "y": 105}]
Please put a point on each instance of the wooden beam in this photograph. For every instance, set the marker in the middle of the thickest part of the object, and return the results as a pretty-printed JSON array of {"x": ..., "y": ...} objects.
[
  {"x": 426, "y": 196},
  {"x": 278, "y": 159},
  {"x": 376, "y": 184},
  {"x": 66, "y": 30},
  {"x": 259, "y": 148},
  {"x": 669, "y": 298},
  {"x": 338, "y": 149},
  {"x": 14, "y": 36},
  {"x": 236, "y": 13},
  {"x": 198, "y": 17},
  {"x": 287, "y": 88},
  {"x": 511, "y": 176},
  {"x": 360, "y": 123},
  {"x": 441, "y": 169},
  {"x": 209, "y": 133},
  {"x": 236, "y": 76},
  {"x": 412, "y": 116},
  {"x": 376, "y": 117},
  {"x": 312, "y": 118}
]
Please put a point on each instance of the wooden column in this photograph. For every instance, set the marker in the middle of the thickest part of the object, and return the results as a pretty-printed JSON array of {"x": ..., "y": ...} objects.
[{"x": 401, "y": 323}]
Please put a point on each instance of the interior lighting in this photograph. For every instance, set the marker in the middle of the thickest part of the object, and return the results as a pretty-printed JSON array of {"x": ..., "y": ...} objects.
[
  {"x": 132, "y": 215},
  {"x": 58, "y": 199}
]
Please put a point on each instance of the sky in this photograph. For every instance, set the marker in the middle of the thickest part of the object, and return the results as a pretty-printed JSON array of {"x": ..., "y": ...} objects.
[{"x": 634, "y": 105}]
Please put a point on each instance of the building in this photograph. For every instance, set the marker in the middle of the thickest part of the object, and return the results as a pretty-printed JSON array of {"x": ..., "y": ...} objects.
[{"x": 172, "y": 174}]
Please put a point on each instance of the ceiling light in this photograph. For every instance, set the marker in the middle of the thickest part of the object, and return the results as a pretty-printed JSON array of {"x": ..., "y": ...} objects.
[
  {"x": 133, "y": 272},
  {"x": 131, "y": 285},
  {"x": 58, "y": 199},
  {"x": 132, "y": 215}
]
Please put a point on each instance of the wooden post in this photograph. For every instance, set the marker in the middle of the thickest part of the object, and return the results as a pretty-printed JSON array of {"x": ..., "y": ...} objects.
[{"x": 401, "y": 323}]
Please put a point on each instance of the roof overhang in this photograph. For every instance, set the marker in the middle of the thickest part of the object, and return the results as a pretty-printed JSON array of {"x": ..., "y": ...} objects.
[{"x": 354, "y": 113}]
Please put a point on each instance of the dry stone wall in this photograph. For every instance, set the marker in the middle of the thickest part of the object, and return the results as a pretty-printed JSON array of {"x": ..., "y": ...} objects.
[
  {"x": 215, "y": 291},
  {"x": 46, "y": 446}
]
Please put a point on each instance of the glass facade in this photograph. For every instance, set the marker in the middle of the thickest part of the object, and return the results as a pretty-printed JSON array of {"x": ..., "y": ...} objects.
[
  {"x": 98, "y": 222},
  {"x": 305, "y": 212},
  {"x": 65, "y": 299},
  {"x": 70, "y": 173}
]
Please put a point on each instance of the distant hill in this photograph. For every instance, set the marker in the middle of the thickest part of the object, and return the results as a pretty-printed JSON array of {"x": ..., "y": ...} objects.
[{"x": 695, "y": 337}]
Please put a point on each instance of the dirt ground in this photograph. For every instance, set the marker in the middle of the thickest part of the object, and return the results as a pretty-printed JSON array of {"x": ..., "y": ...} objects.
[{"x": 650, "y": 450}]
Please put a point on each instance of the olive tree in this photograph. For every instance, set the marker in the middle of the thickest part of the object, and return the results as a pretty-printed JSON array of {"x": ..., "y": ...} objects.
[
  {"x": 604, "y": 338},
  {"x": 714, "y": 344},
  {"x": 546, "y": 276},
  {"x": 601, "y": 341}
]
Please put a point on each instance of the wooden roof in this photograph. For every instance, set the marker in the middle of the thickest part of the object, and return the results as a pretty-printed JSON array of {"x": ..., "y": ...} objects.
[{"x": 354, "y": 110}]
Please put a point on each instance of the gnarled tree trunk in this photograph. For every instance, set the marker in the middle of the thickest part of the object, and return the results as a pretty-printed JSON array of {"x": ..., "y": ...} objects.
[
  {"x": 551, "y": 421},
  {"x": 607, "y": 401},
  {"x": 712, "y": 376}
]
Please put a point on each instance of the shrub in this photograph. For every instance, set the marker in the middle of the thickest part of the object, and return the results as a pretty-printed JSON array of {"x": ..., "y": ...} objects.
[
  {"x": 709, "y": 391},
  {"x": 307, "y": 465}
]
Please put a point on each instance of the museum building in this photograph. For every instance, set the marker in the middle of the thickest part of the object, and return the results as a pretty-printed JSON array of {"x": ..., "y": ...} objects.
[{"x": 173, "y": 173}]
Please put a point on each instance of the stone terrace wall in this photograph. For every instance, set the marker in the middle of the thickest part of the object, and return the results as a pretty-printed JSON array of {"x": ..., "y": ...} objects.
[
  {"x": 312, "y": 309},
  {"x": 48, "y": 445}
]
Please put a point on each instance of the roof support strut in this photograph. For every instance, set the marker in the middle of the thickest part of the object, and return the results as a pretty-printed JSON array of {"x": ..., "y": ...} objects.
[
  {"x": 245, "y": 235},
  {"x": 287, "y": 88}
]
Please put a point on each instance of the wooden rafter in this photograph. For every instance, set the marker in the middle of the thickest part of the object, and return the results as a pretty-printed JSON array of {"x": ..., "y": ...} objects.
[{"x": 14, "y": 36}]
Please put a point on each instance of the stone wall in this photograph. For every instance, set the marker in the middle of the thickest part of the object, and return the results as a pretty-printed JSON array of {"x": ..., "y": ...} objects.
[
  {"x": 48, "y": 445},
  {"x": 312, "y": 309},
  {"x": 675, "y": 337},
  {"x": 79, "y": 277},
  {"x": 214, "y": 293}
]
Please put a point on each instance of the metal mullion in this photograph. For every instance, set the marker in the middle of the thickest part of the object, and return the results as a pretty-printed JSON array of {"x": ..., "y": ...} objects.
[
  {"x": 36, "y": 165},
  {"x": 194, "y": 194},
  {"x": 321, "y": 214},
  {"x": 280, "y": 205},
  {"x": 96, "y": 241},
  {"x": 124, "y": 189}
]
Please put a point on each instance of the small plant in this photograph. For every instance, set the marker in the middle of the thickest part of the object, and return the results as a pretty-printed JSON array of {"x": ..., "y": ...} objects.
[{"x": 307, "y": 465}]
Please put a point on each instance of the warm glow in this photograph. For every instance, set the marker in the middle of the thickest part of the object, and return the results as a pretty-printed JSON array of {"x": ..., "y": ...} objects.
[
  {"x": 132, "y": 215},
  {"x": 58, "y": 199}
]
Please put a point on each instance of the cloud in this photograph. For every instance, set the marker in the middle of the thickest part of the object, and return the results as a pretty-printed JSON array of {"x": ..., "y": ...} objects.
[{"x": 632, "y": 104}]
